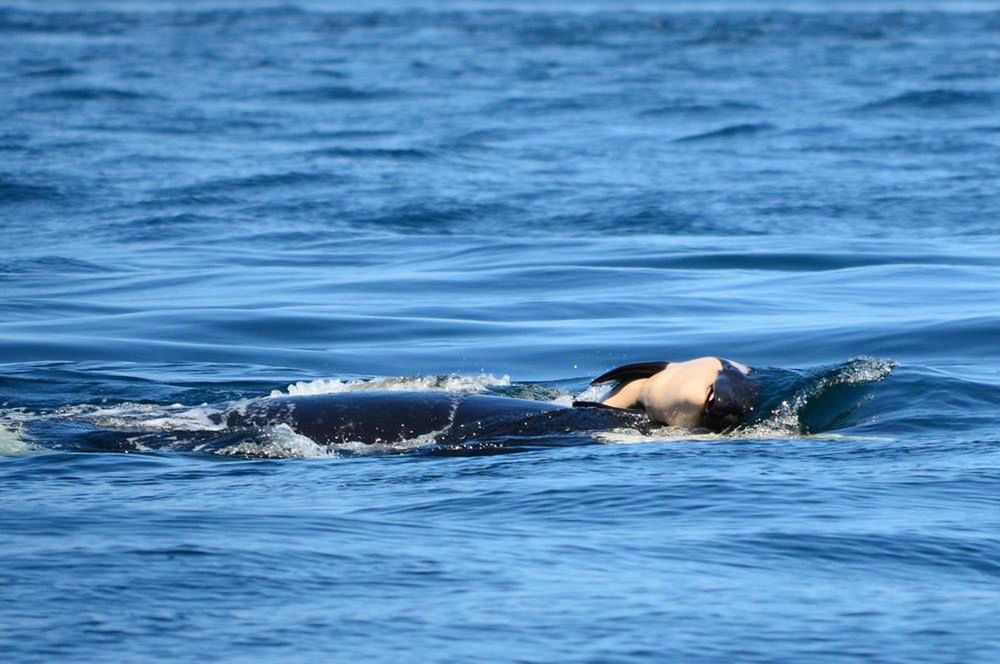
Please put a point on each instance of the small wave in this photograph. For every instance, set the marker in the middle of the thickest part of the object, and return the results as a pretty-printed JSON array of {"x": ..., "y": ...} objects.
[
  {"x": 94, "y": 23},
  {"x": 52, "y": 265},
  {"x": 259, "y": 181},
  {"x": 339, "y": 135},
  {"x": 334, "y": 93},
  {"x": 13, "y": 142},
  {"x": 964, "y": 75},
  {"x": 57, "y": 71},
  {"x": 786, "y": 418},
  {"x": 542, "y": 105},
  {"x": 481, "y": 139},
  {"x": 163, "y": 227},
  {"x": 370, "y": 153},
  {"x": 94, "y": 94},
  {"x": 638, "y": 217},
  {"x": 423, "y": 219},
  {"x": 15, "y": 191},
  {"x": 450, "y": 383},
  {"x": 940, "y": 99},
  {"x": 726, "y": 33},
  {"x": 732, "y": 131},
  {"x": 690, "y": 108}
]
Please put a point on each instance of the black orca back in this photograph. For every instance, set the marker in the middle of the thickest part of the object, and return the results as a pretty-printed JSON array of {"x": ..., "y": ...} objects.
[{"x": 385, "y": 417}]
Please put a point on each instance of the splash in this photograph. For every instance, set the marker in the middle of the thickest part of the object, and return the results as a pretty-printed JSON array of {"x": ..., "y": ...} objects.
[
  {"x": 664, "y": 434},
  {"x": 148, "y": 417},
  {"x": 11, "y": 441},
  {"x": 279, "y": 442},
  {"x": 449, "y": 383},
  {"x": 595, "y": 393},
  {"x": 785, "y": 420},
  {"x": 282, "y": 442}
]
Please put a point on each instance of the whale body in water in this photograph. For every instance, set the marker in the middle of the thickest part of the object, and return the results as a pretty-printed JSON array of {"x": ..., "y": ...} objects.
[
  {"x": 444, "y": 417},
  {"x": 703, "y": 394},
  {"x": 706, "y": 393}
]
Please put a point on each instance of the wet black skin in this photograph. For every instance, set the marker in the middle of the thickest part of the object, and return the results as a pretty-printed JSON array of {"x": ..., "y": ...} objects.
[{"x": 391, "y": 417}]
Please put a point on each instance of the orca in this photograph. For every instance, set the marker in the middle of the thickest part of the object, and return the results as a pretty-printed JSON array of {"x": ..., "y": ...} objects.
[
  {"x": 705, "y": 393},
  {"x": 708, "y": 392}
]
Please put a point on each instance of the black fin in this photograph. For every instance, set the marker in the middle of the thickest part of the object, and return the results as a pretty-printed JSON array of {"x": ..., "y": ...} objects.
[{"x": 629, "y": 372}]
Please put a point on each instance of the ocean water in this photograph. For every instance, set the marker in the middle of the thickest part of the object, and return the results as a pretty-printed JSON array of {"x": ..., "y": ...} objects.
[{"x": 204, "y": 203}]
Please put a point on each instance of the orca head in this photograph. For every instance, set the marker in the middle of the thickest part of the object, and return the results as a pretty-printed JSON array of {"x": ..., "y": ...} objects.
[{"x": 730, "y": 399}]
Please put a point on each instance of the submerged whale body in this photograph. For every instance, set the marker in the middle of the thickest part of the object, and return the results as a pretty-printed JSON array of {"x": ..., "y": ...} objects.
[{"x": 444, "y": 418}]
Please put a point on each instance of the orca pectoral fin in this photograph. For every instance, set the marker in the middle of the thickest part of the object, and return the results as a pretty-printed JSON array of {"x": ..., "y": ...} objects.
[{"x": 624, "y": 374}]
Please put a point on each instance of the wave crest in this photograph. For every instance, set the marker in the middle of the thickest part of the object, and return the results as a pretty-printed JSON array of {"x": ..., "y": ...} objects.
[
  {"x": 787, "y": 418},
  {"x": 446, "y": 383},
  {"x": 11, "y": 440}
]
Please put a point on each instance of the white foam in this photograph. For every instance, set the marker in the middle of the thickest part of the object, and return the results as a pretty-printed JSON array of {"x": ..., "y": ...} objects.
[
  {"x": 398, "y": 447},
  {"x": 784, "y": 420},
  {"x": 863, "y": 370},
  {"x": 11, "y": 441},
  {"x": 281, "y": 442},
  {"x": 564, "y": 400},
  {"x": 634, "y": 436},
  {"x": 596, "y": 393},
  {"x": 148, "y": 417},
  {"x": 450, "y": 383}
]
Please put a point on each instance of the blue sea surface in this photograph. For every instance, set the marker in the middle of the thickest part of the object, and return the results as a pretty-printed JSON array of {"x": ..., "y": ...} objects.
[{"x": 207, "y": 203}]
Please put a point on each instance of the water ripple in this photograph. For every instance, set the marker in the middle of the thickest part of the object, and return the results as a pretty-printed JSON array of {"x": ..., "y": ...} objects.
[
  {"x": 934, "y": 100},
  {"x": 732, "y": 131}
]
